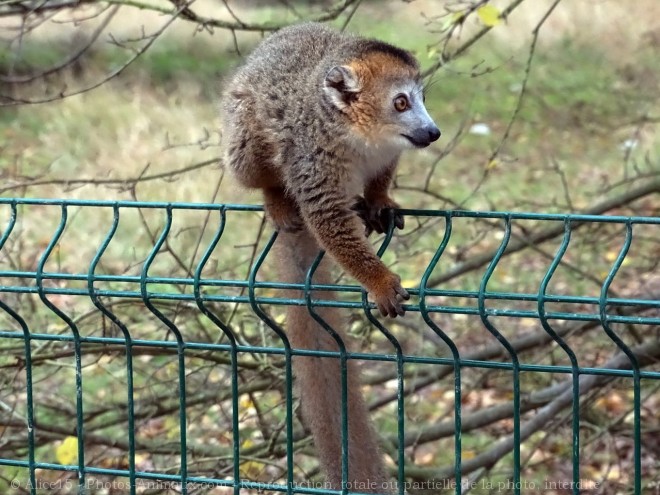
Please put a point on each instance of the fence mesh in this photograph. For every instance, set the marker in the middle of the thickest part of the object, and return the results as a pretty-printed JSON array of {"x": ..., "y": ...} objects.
[{"x": 145, "y": 342}]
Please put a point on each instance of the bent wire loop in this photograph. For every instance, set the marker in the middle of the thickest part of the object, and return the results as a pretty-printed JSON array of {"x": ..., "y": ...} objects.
[{"x": 431, "y": 299}]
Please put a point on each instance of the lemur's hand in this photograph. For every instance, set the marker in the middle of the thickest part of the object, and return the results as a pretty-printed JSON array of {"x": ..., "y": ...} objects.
[
  {"x": 389, "y": 294},
  {"x": 377, "y": 214}
]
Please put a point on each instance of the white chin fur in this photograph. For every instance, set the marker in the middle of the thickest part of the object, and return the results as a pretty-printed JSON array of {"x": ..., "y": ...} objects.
[{"x": 403, "y": 143}]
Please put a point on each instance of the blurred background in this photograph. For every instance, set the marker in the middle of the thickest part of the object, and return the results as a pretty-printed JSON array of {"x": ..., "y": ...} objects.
[{"x": 545, "y": 106}]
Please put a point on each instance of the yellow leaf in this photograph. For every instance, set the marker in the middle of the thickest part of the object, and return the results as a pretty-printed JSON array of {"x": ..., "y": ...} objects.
[
  {"x": 67, "y": 452},
  {"x": 489, "y": 15},
  {"x": 614, "y": 473},
  {"x": 246, "y": 403},
  {"x": 492, "y": 164},
  {"x": 611, "y": 255},
  {"x": 252, "y": 468},
  {"x": 171, "y": 426},
  {"x": 469, "y": 454}
]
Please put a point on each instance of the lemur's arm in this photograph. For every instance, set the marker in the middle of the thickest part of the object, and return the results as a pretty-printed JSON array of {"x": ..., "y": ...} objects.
[{"x": 327, "y": 211}]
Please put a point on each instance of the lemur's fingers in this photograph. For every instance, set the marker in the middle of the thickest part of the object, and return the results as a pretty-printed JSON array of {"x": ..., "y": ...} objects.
[
  {"x": 391, "y": 308},
  {"x": 383, "y": 309},
  {"x": 399, "y": 221},
  {"x": 379, "y": 220},
  {"x": 369, "y": 215},
  {"x": 399, "y": 310},
  {"x": 377, "y": 217},
  {"x": 403, "y": 293},
  {"x": 387, "y": 215}
]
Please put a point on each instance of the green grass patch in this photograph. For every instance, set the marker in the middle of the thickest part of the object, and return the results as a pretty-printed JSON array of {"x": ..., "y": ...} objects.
[{"x": 33, "y": 56}]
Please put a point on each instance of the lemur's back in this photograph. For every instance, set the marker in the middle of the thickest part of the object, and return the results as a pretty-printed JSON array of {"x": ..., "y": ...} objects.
[
  {"x": 290, "y": 55},
  {"x": 263, "y": 101}
]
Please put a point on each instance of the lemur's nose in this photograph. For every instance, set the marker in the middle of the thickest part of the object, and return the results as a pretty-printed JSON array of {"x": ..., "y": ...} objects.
[
  {"x": 423, "y": 136},
  {"x": 434, "y": 133}
]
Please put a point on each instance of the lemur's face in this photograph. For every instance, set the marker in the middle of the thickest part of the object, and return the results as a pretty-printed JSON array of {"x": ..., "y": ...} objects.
[
  {"x": 406, "y": 115},
  {"x": 383, "y": 99}
]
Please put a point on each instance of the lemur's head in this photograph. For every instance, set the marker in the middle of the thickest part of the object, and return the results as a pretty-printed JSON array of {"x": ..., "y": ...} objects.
[{"x": 380, "y": 92}]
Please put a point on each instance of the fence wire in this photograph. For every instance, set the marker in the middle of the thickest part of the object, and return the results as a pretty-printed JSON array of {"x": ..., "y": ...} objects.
[{"x": 38, "y": 298}]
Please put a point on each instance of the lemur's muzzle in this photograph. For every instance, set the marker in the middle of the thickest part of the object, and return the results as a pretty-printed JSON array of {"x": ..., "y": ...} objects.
[{"x": 423, "y": 136}]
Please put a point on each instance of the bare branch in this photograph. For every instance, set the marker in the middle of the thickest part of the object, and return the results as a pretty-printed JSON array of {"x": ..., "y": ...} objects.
[
  {"x": 647, "y": 354},
  {"x": 122, "y": 183}
]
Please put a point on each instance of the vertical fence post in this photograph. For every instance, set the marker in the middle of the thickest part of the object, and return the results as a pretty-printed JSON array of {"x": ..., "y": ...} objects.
[{"x": 77, "y": 346}]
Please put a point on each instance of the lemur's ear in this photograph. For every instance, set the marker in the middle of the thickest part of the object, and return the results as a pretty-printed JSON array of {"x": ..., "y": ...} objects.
[{"x": 342, "y": 85}]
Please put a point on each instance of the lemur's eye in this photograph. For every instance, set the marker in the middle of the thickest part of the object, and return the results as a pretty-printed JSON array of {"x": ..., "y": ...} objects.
[{"x": 401, "y": 103}]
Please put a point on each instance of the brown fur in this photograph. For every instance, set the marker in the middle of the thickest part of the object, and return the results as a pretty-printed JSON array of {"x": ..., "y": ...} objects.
[
  {"x": 374, "y": 69},
  {"x": 277, "y": 91},
  {"x": 309, "y": 120},
  {"x": 319, "y": 379}
]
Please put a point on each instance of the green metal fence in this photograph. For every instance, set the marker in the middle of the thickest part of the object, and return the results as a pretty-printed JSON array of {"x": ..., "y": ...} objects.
[{"x": 614, "y": 316}]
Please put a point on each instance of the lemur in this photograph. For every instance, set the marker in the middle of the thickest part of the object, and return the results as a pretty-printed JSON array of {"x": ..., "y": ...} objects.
[{"x": 317, "y": 120}]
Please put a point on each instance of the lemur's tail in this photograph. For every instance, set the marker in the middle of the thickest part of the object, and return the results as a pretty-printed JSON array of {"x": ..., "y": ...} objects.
[{"x": 319, "y": 379}]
